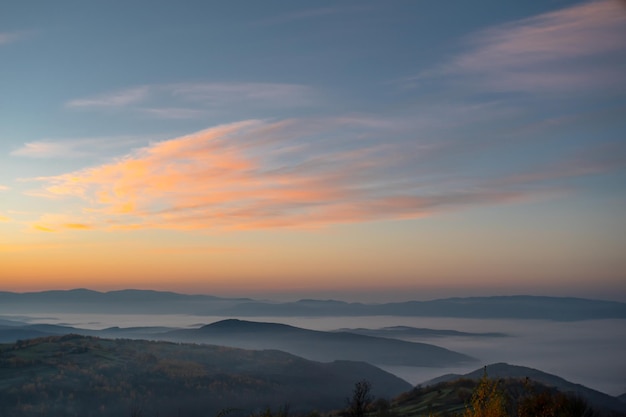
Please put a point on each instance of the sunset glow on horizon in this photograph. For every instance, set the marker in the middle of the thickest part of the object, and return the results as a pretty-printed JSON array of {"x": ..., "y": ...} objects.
[{"x": 359, "y": 150}]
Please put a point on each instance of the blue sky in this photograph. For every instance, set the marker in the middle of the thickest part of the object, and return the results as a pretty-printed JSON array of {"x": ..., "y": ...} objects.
[{"x": 405, "y": 147}]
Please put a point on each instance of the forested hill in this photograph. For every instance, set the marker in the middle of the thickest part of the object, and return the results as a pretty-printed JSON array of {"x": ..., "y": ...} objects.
[{"x": 88, "y": 376}]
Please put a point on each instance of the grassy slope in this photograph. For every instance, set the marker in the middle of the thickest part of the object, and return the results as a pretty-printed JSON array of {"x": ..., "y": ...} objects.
[
  {"x": 450, "y": 398},
  {"x": 504, "y": 370}
]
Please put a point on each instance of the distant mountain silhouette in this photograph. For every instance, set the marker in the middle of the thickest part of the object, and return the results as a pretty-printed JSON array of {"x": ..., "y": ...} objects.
[
  {"x": 124, "y": 302},
  {"x": 503, "y": 370},
  {"x": 159, "y": 302},
  {"x": 318, "y": 345},
  {"x": 231, "y": 326},
  {"x": 408, "y": 332}
]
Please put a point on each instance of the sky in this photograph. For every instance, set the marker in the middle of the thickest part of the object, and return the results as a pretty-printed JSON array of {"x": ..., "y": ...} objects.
[{"x": 364, "y": 150}]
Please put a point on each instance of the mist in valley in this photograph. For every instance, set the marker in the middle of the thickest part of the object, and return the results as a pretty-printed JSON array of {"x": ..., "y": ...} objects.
[{"x": 588, "y": 352}]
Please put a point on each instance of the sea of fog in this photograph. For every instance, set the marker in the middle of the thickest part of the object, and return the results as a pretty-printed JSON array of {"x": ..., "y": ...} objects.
[{"x": 588, "y": 352}]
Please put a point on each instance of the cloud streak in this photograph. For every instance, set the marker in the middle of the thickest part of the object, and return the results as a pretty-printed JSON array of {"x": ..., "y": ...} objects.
[
  {"x": 577, "y": 48},
  {"x": 116, "y": 99},
  {"x": 45, "y": 149},
  {"x": 11, "y": 37},
  {"x": 195, "y": 100},
  {"x": 258, "y": 174},
  {"x": 599, "y": 159},
  {"x": 76, "y": 148}
]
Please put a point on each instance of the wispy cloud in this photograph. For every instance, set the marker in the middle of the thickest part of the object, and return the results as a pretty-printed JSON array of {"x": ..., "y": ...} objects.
[
  {"x": 52, "y": 223},
  {"x": 56, "y": 227},
  {"x": 77, "y": 148},
  {"x": 603, "y": 158},
  {"x": 580, "y": 47},
  {"x": 216, "y": 93},
  {"x": 173, "y": 112},
  {"x": 45, "y": 149},
  {"x": 10, "y": 37},
  {"x": 4, "y": 188},
  {"x": 258, "y": 174},
  {"x": 199, "y": 249},
  {"x": 193, "y": 100},
  {"x": 41, "y": 228},
  {"x": 116, "y": 99}
]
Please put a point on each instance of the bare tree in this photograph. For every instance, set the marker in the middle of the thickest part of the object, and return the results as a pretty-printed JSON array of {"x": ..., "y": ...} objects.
[{"x": 361, "y": 399}]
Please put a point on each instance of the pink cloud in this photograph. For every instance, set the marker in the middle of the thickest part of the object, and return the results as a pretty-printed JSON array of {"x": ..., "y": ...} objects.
[
  {"x": 579, "y": 47},
  {"x": 587, "y": 29},
  {"x": 76, "y": 148}
]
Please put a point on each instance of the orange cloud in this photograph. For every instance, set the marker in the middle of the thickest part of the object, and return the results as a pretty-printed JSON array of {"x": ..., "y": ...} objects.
[
  {"x": 77, "y": 226},
  {"x": 42, "y": 228},
  {"x": 252, "y": 175},
  {"x": 70, "y": 226},
  {"x": 59, "y": 222}
]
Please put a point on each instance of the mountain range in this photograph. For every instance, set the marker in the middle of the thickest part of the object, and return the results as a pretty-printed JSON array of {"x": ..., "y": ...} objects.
[
  {"x": 158, "y": 302},
  {"x": 401, "y": 332}
]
